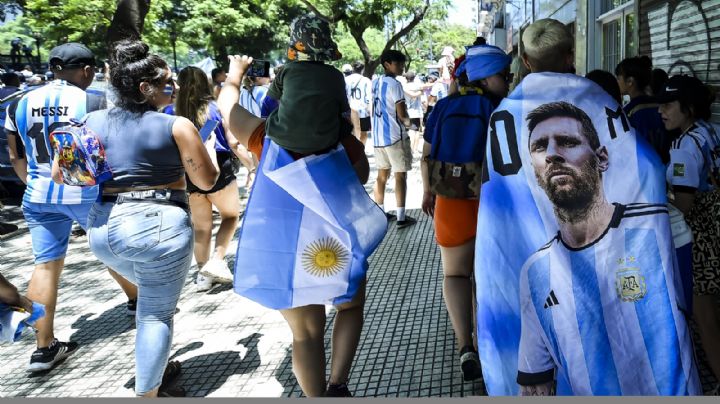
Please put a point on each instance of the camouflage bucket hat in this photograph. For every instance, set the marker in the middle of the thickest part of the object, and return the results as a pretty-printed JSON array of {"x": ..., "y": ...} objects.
[{"x": 311, "y": 39}]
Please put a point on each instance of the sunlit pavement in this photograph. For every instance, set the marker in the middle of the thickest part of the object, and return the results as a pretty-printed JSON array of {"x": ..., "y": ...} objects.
[{"x": 232, "y": 347}]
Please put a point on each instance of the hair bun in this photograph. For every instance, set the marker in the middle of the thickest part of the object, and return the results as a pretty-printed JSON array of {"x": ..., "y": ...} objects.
[{"x": 130, "y": 51}]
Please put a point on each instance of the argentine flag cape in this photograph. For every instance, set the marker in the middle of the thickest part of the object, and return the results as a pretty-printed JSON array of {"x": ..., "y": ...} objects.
[
  {"x": 14, "y": 322},
  {"x": 308, "y": 231},
  {"x": 516, "y": 219}
]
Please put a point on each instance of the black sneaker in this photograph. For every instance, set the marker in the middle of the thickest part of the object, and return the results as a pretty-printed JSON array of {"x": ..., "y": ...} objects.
[
  {"x": 46, "y": 358},
  {"x": 131, "y": 307},
  {"x": 338, "y": 390},
  {"x": 390, "y": 216},
  {"x": 409, "y": 221},
  {"x": 470, "y": 364}
]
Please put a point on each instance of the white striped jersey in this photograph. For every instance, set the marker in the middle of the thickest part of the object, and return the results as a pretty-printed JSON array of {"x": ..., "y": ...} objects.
[
  {"x": 252, "y": 101},
  {"x": 439, "y": 90},
  {"x": 695, "y": 158},
  {"x": 386, "y": 126},
  {"x": 34, "y": 117},
  {"x": 604, "y": 318},
  {"x": 359, "y": 93}
]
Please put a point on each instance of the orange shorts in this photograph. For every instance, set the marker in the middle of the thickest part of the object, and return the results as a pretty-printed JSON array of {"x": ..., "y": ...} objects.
[
  {"x": 353, "y": 147},
  {"x": 455, "y": 220}
]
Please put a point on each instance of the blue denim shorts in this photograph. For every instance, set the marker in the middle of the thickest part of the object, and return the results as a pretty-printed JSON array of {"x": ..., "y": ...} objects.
[{"x": 50, "y": 226}]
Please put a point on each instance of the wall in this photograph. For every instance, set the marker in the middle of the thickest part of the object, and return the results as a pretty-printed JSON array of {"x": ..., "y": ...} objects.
[{"x": 683, "y": 36}]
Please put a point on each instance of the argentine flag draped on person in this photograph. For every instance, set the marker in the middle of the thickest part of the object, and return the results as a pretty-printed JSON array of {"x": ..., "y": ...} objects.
[
  {"x": 602, "y": 318},
  {"x": 308, "y": 231}
]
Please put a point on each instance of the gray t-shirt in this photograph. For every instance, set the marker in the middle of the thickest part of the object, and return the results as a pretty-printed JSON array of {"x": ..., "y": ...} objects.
[{"x": 140, "y": 149}]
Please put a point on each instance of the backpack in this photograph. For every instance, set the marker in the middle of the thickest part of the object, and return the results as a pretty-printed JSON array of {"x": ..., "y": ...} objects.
[{"x": 81, "y": 155}]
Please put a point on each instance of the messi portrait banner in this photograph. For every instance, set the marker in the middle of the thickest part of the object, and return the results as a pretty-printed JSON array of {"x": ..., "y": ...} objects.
[
  {"x": 575, "y": 265},
  {"x": 308, "y": 231}
]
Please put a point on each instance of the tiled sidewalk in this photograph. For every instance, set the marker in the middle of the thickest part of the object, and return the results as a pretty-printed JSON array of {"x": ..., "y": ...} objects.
[{"x": 232, "y": 347}]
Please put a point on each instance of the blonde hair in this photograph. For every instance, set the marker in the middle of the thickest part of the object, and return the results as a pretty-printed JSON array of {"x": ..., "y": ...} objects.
[
  {"x": 546, "y": 44},
  {"x": 194, "y": 96}
]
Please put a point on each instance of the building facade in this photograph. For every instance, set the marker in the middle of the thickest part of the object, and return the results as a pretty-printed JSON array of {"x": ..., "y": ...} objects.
[{"x": 680, "y": 36}]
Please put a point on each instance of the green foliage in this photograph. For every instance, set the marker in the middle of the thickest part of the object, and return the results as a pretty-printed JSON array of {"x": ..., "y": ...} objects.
[
  {"x": 14, "y": 29},
  {"x": 58, "y": 22},
  {"x": 259, "y": 28}
]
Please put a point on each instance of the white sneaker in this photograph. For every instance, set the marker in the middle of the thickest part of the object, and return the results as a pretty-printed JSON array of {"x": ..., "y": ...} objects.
[
  {"x": 218, "y": 270},
  {"x": 203, "y": 283}
]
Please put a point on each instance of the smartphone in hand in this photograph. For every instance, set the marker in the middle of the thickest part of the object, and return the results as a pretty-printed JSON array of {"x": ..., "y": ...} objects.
[
  {"x": 208, "y": 128},
  {"x": 259, "y": 68}
]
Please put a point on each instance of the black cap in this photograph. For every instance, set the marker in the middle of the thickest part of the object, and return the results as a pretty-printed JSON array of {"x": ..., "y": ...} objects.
[
  {"x": 71, "y": 55},
  {"x": 680, "y": 88}
]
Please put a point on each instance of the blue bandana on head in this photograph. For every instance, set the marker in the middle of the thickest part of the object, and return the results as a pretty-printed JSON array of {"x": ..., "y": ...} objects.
[{"x": 482, "y": 61}]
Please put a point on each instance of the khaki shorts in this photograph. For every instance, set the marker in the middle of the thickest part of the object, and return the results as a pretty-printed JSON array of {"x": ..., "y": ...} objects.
[{"x": 397, "y": 157}]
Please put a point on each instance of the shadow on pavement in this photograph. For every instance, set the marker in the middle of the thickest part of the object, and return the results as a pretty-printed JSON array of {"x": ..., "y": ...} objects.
[{"x": 215, "y": 367}]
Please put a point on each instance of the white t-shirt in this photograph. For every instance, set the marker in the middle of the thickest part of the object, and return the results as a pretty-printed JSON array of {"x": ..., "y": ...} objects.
[
  {"x": 414, "y": 104},
  {"x": 386, "y": 127},
  {"x": 359, "y": 93},
  {"x": 439, "y": 90}
]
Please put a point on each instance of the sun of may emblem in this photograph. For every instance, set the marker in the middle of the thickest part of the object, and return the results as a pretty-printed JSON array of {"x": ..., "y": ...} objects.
[{"x": 324, "y": 257}]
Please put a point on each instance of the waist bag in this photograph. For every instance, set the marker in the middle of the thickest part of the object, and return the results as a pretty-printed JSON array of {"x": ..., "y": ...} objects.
[{"x": 458, "y": 180}]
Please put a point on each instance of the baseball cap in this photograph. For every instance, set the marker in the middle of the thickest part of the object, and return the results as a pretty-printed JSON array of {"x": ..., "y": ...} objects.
[
  {"x": 680, "y": 88},
  {"x": 347, "y": 68},
  {"x": 71, "y": 55}
]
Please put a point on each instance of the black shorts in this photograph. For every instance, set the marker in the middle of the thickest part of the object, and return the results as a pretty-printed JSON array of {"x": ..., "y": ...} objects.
[
  {"x": 415, "y": 124},
  {"x": 365, "y": 124},
  {"x": 227, "y": 175}
]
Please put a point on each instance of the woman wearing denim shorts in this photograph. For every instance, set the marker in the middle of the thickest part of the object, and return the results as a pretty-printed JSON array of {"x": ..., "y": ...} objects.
[{"x": 141, "y": 224}]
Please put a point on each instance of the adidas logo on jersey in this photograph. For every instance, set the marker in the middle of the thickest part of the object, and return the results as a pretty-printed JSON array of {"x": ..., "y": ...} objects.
[{"x": 551, "y": 300}]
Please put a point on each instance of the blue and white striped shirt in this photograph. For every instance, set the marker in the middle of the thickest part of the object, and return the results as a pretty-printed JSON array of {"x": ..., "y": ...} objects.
[
  {"x": 604, "y": 319},
  {"x": 386, "y": 127},
  {"x": 34, "y": 117}
]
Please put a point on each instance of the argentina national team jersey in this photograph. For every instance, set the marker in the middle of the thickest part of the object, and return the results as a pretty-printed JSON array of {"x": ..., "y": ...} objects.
[
  {"x": 357, "y": 88},
  {"x": 34, "y": 117},
  {"x": 603, "y": 316},
  {"x": 387, "y": 130},
  {"x": 695, "y": 158}
]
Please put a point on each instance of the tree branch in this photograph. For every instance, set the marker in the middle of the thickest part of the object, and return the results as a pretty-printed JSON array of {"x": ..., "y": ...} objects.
[
  {"x": 404, "y": 31},
  {"x": 316, "y": 11}
]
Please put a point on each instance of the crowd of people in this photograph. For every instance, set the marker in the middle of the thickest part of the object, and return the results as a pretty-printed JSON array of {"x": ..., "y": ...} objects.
[{"x": 175, "y": 146}]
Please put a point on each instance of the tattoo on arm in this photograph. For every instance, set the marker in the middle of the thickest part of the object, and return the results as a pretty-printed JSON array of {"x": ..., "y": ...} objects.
[{"x": 190, "y": 162}]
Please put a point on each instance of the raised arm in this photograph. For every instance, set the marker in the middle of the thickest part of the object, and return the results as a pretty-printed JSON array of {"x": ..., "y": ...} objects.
[{"x": 240, "y": 121}]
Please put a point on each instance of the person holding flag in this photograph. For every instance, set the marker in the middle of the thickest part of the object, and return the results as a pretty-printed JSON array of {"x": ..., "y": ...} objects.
[{"x": 310, "y": 225}]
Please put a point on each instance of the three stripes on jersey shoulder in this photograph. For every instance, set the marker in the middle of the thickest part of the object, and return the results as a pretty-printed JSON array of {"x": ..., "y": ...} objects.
[{"x": 642, "y": 209}]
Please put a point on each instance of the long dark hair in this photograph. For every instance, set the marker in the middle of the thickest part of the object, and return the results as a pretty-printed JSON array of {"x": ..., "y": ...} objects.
[{"x": 131, "y": 64}]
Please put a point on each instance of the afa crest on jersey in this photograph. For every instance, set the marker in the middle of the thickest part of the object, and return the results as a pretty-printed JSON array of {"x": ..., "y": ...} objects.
[{"x": 629, "y": 282}]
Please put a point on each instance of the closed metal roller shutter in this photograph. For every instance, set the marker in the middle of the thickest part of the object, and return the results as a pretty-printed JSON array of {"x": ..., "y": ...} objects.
[{"x": 683, "y": 37}]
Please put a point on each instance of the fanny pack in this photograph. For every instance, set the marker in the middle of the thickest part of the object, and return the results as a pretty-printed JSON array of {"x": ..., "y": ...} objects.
[
  {"x": 162, "y": 196},
  {"x": 455, "y": 180}
]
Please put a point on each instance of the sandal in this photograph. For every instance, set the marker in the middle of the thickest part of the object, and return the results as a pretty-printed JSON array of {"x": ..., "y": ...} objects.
[{"x": 172, "y": 371}]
